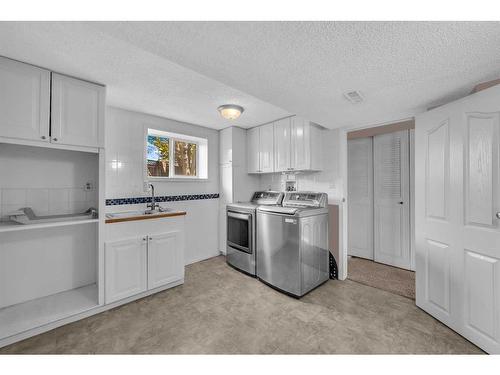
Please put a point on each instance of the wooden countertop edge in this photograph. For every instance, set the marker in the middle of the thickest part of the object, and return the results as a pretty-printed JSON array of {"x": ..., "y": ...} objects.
[{"x": 145, "y": 217}]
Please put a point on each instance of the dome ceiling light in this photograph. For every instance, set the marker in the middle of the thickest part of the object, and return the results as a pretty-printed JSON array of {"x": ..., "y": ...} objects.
[{"x": 230, "y": 111}]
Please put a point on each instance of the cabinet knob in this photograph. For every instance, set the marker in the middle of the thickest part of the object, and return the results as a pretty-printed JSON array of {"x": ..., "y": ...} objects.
[
  {"x": 144, "y": 238},
  {"x": 498, "y": 215},
  {"x": 43, "y": 137},
  {"x": 54, "y": 139}
]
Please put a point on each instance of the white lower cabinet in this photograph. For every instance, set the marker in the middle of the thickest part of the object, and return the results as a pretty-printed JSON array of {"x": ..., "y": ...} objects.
[
  {"x": 165, "y": 259},
  {"x": 126, "y": 271},
  {"x": 142, "y": 256}
]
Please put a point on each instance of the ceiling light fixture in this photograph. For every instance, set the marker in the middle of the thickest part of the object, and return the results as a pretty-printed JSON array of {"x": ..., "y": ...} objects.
[{"x": 230, "y": 111}]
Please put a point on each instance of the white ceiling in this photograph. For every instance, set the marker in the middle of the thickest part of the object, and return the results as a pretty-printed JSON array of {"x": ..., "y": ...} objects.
[
  {"x": 136, "y": 79},
  {"x": 184, "y": 70}
]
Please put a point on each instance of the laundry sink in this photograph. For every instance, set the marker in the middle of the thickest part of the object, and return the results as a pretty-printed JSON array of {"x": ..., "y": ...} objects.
[{"x": 124, "y": 214}]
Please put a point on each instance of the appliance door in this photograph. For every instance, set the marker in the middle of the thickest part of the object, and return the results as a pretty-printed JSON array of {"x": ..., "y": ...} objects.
[
  {"x": 240, "y": 241},
  {"x": 239, "y": 231},
  {"x": 278, "y": 252}
]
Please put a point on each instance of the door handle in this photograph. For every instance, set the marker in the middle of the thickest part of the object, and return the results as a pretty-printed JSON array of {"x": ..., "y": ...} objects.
[{"x": 498, "y": 215}]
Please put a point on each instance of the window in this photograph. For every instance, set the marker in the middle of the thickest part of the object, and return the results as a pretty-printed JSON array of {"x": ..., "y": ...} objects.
[{"x": 170, "y": 155}]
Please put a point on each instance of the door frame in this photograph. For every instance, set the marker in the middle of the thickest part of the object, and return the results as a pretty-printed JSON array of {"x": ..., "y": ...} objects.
[{"x": 365, "y": 131}]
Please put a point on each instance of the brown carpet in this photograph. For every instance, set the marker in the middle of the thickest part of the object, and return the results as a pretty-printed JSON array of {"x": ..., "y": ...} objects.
[{"x": 382, "y": 276}]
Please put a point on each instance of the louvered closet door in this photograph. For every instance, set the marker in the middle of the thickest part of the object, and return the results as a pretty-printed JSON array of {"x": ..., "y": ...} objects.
[
  {"x": 360, "y": 190},
  {"x": 391, "y": 199}
]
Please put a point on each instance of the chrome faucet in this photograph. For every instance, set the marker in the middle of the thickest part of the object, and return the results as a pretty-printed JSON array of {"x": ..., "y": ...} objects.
[{"x": 153, "y": 205}]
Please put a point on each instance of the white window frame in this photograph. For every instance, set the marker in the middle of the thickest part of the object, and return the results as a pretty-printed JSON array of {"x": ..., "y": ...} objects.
[{"x": 201, "y": 156}]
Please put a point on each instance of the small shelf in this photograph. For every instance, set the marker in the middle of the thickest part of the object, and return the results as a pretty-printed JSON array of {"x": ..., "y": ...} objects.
[
  {"x": 38, "y": 312},
  {"x": 9, "y": 226}
]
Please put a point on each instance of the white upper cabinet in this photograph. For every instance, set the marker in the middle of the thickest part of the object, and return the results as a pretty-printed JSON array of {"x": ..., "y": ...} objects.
[
  {"x": 266, "y": 148},
  {"x": 24, "y": 101},
  {"x": 301, "y": 144},
  {"x": 253, "y": 146},
  {"x": 260, "y": 144},
  {"x": 77, "y": 112},
  {"x": 73, "y": 119},
  {"x": 282, "y": 145},
  {"x": 297, "y": 145},
  {"x": 226, "y": 146}
]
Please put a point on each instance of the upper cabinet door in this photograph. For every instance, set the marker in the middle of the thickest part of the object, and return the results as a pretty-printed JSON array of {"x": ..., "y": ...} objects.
[
  {"x": 226, "y": 146},
  {"x": 253, "y": 142},
  {"x": 77, "y": 112},
  {"x": 301, "y": 144},
  {"x": 267, "y": 148},
  {"x": 24, "y": 101},
  {"x": 282, "y": 139}
]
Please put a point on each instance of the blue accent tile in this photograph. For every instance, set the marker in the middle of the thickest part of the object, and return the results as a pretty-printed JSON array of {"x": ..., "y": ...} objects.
[{"x": 165, "y": 198}]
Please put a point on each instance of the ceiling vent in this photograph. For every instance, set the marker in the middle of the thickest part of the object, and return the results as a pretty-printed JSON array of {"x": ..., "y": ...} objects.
[{"x": 354, "y": 97}]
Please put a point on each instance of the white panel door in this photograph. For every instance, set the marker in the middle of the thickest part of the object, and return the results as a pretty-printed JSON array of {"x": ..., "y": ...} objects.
[
  {"x": 24, "y": 101},
  {"x": 391, "y": 199},
  {"x": 253, "y": 150},
  {"x": 165, "y": 259},
  {"x": 282, "y": 145},
  {"x": 77, "y": 112},
  {"x": 457, "y": 205},
  {"x": 360, "y": 192},
  {"x": 301, "y": 144},
  {"x": 266, "y": 148},
  {"x": 125, "y": 268}
]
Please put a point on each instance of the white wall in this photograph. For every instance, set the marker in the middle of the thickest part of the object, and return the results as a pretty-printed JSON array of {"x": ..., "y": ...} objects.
[
  {"x": 328, "y": 180},
  {"x": 124, "y": 144}
]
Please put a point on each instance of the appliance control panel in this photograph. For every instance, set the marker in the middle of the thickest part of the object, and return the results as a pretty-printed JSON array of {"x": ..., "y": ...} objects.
[
  {"x": 267, "y": 197},
  {"x": 305, "y": 199}
]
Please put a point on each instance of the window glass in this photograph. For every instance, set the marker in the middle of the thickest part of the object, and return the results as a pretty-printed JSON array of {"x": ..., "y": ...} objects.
[
  {"x": 158, "y": 151},
  {"x": 172, "y": 155},
  {"x": 185, "y": 158}
]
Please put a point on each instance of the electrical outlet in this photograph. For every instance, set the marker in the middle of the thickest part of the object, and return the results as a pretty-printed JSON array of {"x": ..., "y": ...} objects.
[{"x": 88, "y": 186}]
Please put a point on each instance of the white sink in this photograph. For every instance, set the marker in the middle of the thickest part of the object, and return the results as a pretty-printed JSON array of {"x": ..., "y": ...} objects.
[{"x": 117, "y": 215}]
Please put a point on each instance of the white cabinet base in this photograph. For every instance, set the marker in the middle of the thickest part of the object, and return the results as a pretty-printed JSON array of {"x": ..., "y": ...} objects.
[
  {"x": 165, "y": 259},
  {"x": 125, "y": 265}
]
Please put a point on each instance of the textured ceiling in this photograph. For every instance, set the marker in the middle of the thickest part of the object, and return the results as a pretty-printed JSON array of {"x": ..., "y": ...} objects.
[
  {"x": 401, "y": 68},
  {"x": 136, "y": 79},
  {"x": 184, "y": 70}
]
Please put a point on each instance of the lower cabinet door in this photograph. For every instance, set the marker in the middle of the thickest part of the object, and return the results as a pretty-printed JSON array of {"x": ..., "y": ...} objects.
[
  {"x": 165, "y": 259},
  {"x": 126, "y": 268}
]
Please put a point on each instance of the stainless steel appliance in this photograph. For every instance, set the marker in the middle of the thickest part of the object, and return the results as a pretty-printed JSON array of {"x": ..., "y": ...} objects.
[
  {"x": 241, "y": 229},
  {"x": 292, "y": 243}
]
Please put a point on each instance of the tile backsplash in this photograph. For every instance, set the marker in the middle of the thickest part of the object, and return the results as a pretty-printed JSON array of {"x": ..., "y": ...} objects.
[{"x": 49, "y": 201}]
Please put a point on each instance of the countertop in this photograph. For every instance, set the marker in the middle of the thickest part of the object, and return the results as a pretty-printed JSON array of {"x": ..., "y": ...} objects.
[{"x": 145, "y": 216}]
